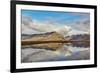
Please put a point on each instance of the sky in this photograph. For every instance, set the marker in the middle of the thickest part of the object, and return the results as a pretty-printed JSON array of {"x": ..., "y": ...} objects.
[
  {"x": 57, "y": 17},
  {"x": 79, "y": 22}
]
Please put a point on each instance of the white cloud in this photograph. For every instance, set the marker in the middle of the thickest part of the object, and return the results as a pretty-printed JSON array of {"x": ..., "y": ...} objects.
[
  {"x": 30, "y": 26},
  {"x": 82, "y": 25},
  {"x": 75, "y": 32}
]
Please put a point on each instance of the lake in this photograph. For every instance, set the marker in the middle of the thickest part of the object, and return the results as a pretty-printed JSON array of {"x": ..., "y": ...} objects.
[{"x": 64, "y": 53}]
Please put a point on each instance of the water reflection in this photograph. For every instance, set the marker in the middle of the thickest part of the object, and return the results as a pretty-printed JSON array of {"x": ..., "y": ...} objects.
[{"x": 55, "y": 52}]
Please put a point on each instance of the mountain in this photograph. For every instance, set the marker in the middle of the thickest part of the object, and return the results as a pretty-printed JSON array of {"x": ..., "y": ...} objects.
[
  {"x": 79, "y": 37},
  {"x": 51, "y": 36},
  {"x": 82, "y": 40}
]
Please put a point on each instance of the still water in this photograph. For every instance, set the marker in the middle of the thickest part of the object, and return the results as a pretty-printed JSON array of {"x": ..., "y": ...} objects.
[{"x": 64, "y": 53}]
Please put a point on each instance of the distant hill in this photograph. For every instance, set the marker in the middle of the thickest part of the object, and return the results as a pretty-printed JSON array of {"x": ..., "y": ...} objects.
[
  {"x": 50, "y": 36},
  {"x": 80, "y": 37},
  {"x": 54, "y": 36}
]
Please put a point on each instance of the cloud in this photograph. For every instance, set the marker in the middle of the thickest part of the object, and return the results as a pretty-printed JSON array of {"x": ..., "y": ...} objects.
[
  {"x": 30, "y": 26},
  {"x": 75, "y": 32},
  {"x": 83, "y": 25}
]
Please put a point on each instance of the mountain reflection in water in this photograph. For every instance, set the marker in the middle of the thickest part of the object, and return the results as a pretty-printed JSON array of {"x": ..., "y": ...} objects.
[{"x": 64, "y": 52}]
